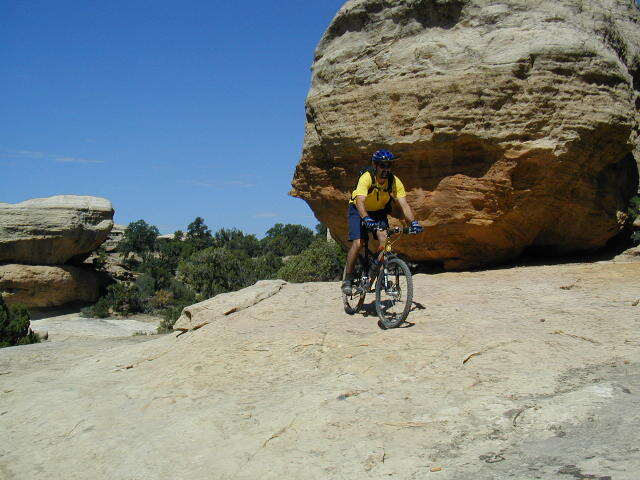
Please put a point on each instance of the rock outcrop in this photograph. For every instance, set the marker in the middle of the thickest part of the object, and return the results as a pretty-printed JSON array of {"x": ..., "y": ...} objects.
[
  {"x": 224, "y": 304},
  {"x": 52, "y": 231},
  {"x": 516, "y": 121},
  {"x": 115, "y": 236},
  {"x": 37, "y": 238},
  {"x": 48, "y": 285}
]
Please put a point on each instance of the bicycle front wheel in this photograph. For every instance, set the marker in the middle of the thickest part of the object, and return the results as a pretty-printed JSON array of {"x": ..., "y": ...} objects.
[{"x": 394, "y": 293}]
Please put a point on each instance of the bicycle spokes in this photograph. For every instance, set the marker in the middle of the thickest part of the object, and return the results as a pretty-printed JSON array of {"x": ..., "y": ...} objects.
[{"x": 393, "y": 292}]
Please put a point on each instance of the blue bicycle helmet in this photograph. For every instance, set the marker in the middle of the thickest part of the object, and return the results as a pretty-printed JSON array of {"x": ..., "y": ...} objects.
[{"x": 383, "y": 156}]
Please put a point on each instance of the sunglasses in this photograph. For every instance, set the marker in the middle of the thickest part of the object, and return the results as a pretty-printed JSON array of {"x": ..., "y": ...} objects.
[{"x": 385, "y": 165}]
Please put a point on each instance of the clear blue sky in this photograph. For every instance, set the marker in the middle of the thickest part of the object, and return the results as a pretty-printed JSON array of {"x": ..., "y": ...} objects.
[{"x": 170, "y": 109}]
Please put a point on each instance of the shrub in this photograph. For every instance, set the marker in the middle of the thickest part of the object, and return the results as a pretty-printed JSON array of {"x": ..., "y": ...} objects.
[
  {"x": 146, "y": 286},
  {"x": 181, "y": 296},
  {"x": 124, "y": 298},
  {"x": 170, "y": 315},
  {"x": 100, "y": 261},
  {"x": 283, "y": 240},
  {"x": 121, "y": 298},
  {"x": 237, "y": 241},
  {"x": 216, "y": 270},
  {"x": 15, "y": 325},
  {"x": 156, "y": 268},
  {"x": 139, "y": 237},
  {"x": 322, "y": 261},
  {"x": 161, "y": 299},
  {"x": 265, "y": 267},
  {"x": 98, "y": 310},
  {"x": 182, "y": 291}
]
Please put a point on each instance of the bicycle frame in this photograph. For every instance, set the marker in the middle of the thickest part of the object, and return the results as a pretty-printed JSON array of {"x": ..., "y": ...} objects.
[{"x": 384, "y": 253}]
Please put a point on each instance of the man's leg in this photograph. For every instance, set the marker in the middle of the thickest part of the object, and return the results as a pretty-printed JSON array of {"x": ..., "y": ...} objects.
[
  {"x": 352, "y": 256},
  {"x": 381, "y": 235}
]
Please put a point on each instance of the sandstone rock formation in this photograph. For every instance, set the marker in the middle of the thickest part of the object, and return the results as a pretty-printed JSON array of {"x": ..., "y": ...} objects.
[
  {"x": 51, "y": 231},
  {"x": 225, "y": 304},
  {"x": 113, "y": 263},
  {"x": 114, "y": 238},
  {"x": 48, "y": 285},
  {"x": 516, "y": 121}
]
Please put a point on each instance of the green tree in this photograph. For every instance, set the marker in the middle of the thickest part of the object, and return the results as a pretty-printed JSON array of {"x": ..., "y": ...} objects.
[
  {"x": 198, "y": 234},
  {"x": 216, "y": 270},
  {"x": 237, "y": 241},
  {"x": 146, "y": 286},
  {"x": 198, "y": 230},
  {"x": 139, "y": 237},
  {"x": 15, "y": 325},
  {"x": 321, "y": 230},
  {"x": 283, "y": 240},
  {"x": 266, "y": 267},
  {"x": 323, "y": 261},
  {"x": 160, "y": 268}
]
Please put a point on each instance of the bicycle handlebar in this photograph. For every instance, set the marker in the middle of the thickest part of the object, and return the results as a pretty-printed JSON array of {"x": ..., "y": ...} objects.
[{"x": 393, "y": 230}]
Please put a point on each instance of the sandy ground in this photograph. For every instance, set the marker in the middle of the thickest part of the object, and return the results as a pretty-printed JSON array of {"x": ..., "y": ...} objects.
[{"x": 520, "y": 373}]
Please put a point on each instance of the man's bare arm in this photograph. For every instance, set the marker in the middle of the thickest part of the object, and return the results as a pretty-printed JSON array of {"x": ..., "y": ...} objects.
[
  {"x": 406, "y": 209},
  {"x": 360, "y": 206}
]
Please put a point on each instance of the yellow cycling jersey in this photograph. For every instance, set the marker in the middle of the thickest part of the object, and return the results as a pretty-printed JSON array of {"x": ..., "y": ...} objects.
[{"x": 378, "y": 198}]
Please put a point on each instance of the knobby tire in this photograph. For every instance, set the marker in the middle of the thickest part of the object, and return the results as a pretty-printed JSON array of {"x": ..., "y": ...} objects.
[{"x": 399, "y": 268}]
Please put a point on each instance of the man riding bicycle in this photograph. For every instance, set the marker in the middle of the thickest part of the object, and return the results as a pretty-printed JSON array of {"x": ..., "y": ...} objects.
[{"x": 369, "y": 205}]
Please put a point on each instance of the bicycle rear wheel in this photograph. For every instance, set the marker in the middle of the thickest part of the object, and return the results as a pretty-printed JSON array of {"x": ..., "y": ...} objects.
[
  {"x": 394, "y": 293},
  {"x": 354, "y": 301}
]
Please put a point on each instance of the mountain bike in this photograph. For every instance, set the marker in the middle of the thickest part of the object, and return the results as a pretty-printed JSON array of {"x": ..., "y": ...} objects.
[{"x": 386, "y": 274}]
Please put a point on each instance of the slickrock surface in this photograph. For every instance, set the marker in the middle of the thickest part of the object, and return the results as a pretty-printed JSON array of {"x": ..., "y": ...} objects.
[
  {"x": 516, "y": 120},
  {"x": 523, "y": 372},
  {"x": 51, "y": 231},
  {"x": 71, "y": 325},
  {"x": 48, "y": 285}
]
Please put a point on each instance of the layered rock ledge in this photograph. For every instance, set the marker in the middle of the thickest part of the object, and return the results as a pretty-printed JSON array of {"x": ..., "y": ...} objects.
[
  {"x": 516, "y": 121},
  {"x": 53, "y": 230},
  {"x": 48, "y": 285}
]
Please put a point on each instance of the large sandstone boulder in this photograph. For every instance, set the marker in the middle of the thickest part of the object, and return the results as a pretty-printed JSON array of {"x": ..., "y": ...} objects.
[
  {"x": 516, "y": 121},
  {"x": 51, "y": 231},
  {"x": 48, "y": 285}
]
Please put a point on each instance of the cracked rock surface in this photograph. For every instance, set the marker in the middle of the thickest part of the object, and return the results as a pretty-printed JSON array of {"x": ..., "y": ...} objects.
[{"x": 521, "y": 372}]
